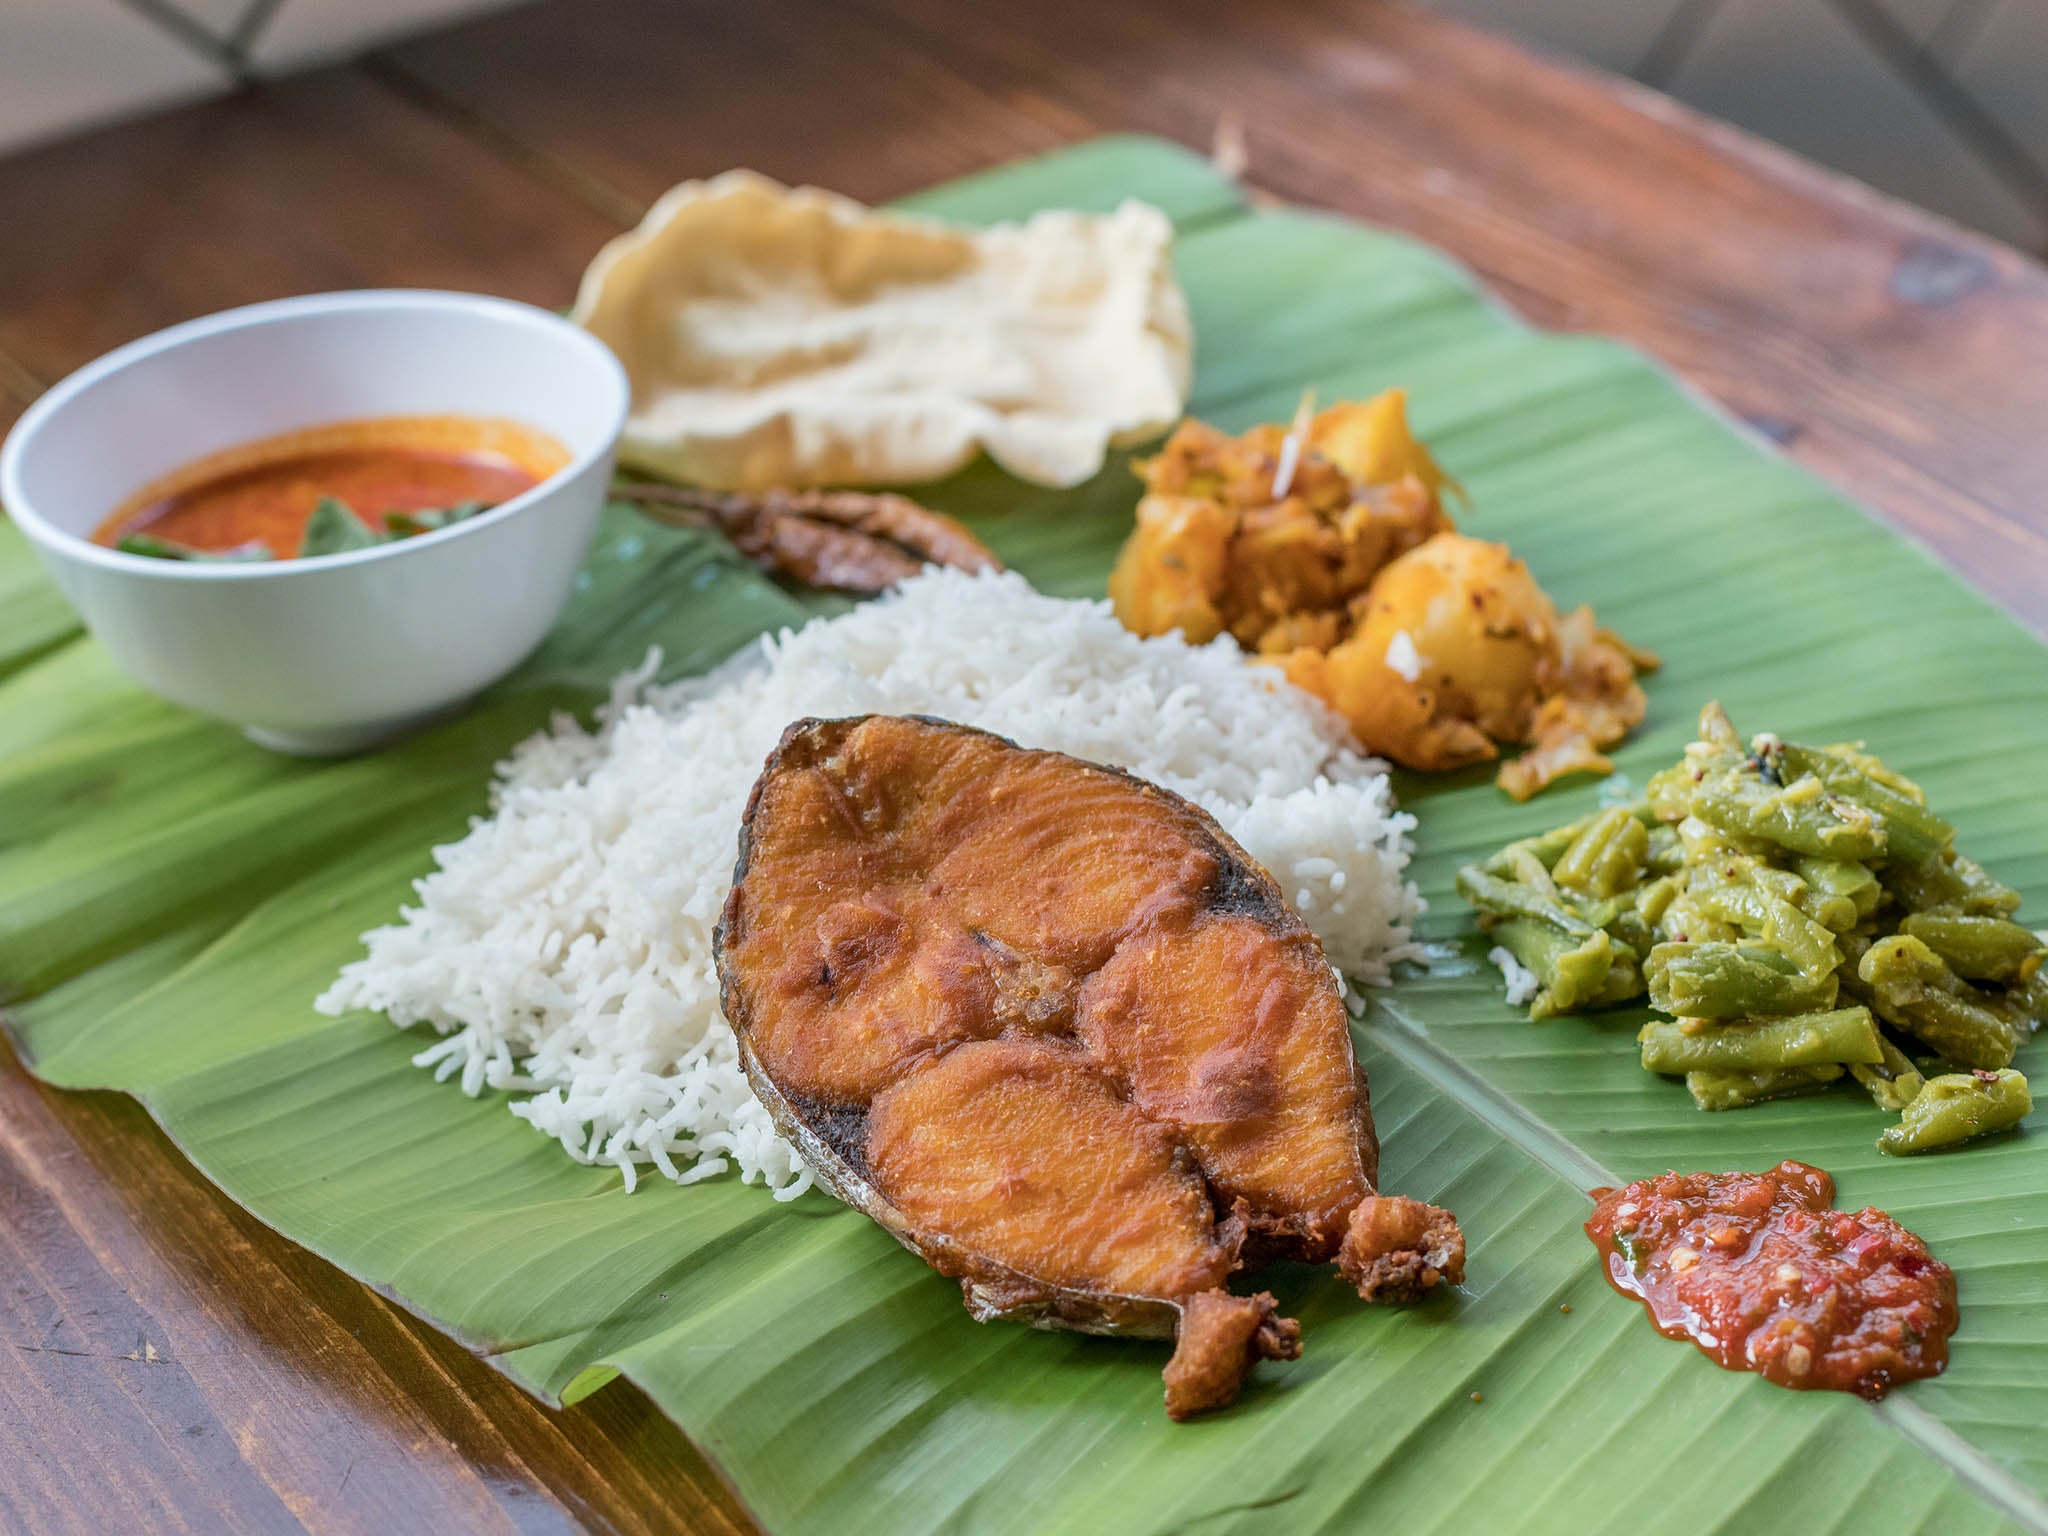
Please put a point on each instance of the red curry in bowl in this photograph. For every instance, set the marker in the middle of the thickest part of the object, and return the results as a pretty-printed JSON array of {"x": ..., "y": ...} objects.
[{"x": 327, "y": 489}]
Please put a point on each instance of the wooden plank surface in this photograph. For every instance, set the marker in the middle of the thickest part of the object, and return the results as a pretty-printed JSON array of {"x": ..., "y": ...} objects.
[
  {"x": 327, "y": 181},
  {"x": 167, "y": 1363},
  {"x": 170, "y": 1364}
]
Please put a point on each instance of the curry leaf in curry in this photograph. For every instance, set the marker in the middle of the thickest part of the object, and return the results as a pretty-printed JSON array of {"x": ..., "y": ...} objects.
[
  {"x": 399, "y": 525},
  {"x": 164, "y": 549},
  {"x": 334, "y": 529}
]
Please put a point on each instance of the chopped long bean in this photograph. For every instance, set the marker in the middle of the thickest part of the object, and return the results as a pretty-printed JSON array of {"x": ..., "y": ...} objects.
[
  {"x": 1780, "y": 902},
  {"x": 1911, "y": 830},
  {"x": 1739, "y": 1090},
  {"x": 1892, "y": 1083},
  {"x": 1801, "y": 817},
  {"x": 1548, "y": 847},
  {"x": 1654, "y": 900},
  {"x": 1949, "y": 882},
  {"x": 1958, "y": 1107},
  {"x": 1512, "y": 898},
  {"x": 1840, "y": 880},
  {"x": 1844, "y": 1035},
  {"x": 1732, "y": 981},
  {"x": 1913, "y": 988},
  {"x": 1607, "y": 857},
  {"x": 1765, "y": 915},
  {"x": 1717, "y": 731},
  {"x": 1977, "y": 948},
  {"x": 2024, "y": 1004},
  {"x": 1576, "y": 971}
]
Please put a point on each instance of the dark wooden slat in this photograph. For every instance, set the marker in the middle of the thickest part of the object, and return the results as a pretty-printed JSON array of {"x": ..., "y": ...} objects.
[
  {"x": 1895, "y": 354},
  {"x": 641, "y": 94},
  {"x": 168, "y": 1363},
  {"x": 322, "y": 182},
  {"x": 17, "y": 388}
]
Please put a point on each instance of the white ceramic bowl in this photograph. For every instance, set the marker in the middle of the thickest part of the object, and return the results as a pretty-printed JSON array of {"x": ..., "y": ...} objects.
[{"x": 329, "y": 655}]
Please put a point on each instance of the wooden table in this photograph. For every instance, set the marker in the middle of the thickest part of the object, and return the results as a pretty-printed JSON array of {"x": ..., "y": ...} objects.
[{"x": 168, "y": 1364}]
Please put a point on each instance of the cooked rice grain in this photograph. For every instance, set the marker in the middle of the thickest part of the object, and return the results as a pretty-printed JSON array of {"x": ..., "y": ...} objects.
[
  {"x": 563, "y": 947},
  {"x": 1522, "y": 983}
]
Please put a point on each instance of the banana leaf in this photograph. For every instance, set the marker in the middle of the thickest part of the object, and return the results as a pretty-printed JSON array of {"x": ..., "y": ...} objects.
[{"x": 171, "y": 898}]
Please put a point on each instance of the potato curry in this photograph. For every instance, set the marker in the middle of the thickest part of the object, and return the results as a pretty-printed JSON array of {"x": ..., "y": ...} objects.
[{"x": 1326, "y": 548}]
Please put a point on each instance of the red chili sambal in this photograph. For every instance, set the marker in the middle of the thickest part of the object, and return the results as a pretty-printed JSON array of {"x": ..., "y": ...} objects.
[{"x": 1761, "y": 1272}]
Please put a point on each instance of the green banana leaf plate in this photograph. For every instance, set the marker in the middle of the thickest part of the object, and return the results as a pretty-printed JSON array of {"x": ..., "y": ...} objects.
[{"x": 172, "y": 898}]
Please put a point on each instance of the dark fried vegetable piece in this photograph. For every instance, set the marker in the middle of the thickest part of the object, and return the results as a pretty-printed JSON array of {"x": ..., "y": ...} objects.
[
  {"x": 1050, "y": 1027},
  {"x": 843, "y": 541}
]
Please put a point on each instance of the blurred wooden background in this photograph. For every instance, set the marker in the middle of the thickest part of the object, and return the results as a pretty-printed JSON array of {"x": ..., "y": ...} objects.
[{"x": 1941, "y": 102}]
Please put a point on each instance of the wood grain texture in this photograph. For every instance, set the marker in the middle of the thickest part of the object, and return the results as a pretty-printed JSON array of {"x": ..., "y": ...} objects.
[
  {"x": 640, "y": 94},
  {"x": 326, "y": 181},
  {"x": 167, "y": 1363},
  {"x": 17, "y": 388}
]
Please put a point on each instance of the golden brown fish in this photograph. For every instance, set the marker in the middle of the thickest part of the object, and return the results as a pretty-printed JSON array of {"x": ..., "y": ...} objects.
[{"x": 1051, "y": 1027}]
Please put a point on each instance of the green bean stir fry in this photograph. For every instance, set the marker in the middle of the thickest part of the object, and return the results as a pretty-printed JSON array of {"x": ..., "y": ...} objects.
[{"x": 1802, "y": 917}]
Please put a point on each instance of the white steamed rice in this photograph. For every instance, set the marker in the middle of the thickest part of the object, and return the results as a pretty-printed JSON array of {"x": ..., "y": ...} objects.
[
  {"x": 563, "y": 947},
  {"x": 1523, "y": 983}
]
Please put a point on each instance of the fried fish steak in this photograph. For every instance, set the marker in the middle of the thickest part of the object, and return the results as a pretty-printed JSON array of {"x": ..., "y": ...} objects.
[{"x": 1060, "y": 1035}]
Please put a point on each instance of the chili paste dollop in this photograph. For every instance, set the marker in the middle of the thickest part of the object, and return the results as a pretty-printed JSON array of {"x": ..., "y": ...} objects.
[{"x": 1761, "y": 1272}]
